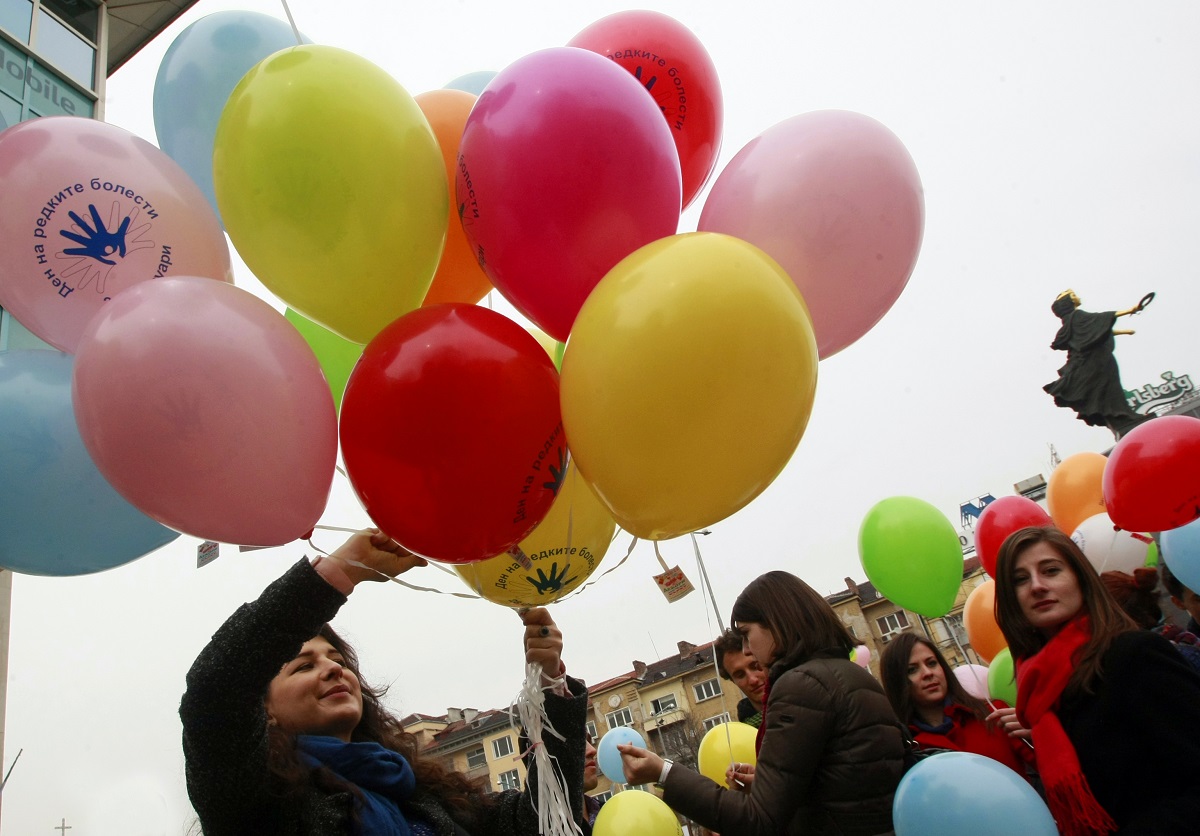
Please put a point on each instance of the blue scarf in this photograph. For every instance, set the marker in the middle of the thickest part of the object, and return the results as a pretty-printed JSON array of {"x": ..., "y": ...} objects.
[
  {"x": 945, "y": 726},
  {"x": 384, "y": 777}
]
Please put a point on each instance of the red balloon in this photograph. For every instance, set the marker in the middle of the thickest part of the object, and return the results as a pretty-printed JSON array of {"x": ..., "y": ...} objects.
[
  {"x": 677, "y": 71},
  {"x": 1000, "y": 518},
  {"x": 451, "y": 432},
  {"x": 1152, "y": 479}
]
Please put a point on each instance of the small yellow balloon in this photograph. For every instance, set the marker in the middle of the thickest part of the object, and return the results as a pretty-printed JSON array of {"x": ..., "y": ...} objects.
[
  {"x": 726, "y": 744},
  {"x": 687, "y": 382},
  {"x": 331, "y": 186},
  {"x": 636, "y": 812},
  {"x": 560, "y": 554}
]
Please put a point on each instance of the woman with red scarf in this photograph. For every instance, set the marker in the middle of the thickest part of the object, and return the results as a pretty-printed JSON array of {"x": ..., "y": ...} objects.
[
  {"x": 940, "y": 713},
  {"x": 1114, "y": 710}
]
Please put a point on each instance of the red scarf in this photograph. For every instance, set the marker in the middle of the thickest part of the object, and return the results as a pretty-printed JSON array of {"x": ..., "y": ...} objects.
[{"x": 1041, "y": 679}]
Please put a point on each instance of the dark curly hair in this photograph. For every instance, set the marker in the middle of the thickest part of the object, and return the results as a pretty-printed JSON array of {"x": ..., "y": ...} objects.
[{"x": 465, "y": 799}]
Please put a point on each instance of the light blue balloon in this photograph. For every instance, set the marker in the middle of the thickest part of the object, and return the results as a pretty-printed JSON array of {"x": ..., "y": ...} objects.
[
  {"x": 952, "y": 793},
  {"x": 58, "y": 515},
  {"x": 607, "y": 756},
  {"x": 195, "y": 78},
  {"x": 472, "y": 82},
  {"x": 1180, "y": 549}
]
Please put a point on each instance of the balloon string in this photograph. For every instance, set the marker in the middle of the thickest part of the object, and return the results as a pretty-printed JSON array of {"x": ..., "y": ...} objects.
[
  {"x": 384, "y": 576},
  {"x": 552, "y": 801},
  {"x": 661, "y": 562},
  {"x": 292, "y": 20},
  {"x": 707, "y": 585}
]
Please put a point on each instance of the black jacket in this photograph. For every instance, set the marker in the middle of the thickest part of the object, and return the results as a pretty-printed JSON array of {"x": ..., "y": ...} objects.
[
  {"x": 225, "y": 729},
  {"x": 1138, "y": 736},
  {"x": 830, "y": 761}
]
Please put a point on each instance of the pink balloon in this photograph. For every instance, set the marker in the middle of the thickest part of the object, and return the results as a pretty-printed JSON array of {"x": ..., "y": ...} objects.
[
  {"x": 835, "y": 198},
  {"x": 862, "y": 656},
  {"x": 566, "y": 166},
  {"x": 973, "y": 679},
  {"x": 207, "y": 411},
  {"x": 89, "y": 209}
]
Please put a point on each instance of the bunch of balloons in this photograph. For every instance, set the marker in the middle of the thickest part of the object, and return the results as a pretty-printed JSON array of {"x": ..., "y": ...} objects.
[{"x": 379, "y": 219}]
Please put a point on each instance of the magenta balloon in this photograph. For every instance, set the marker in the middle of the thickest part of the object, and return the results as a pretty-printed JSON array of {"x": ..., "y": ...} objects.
[
  {"x": 835, "y": 198},
  {"x": 89, "y": 209},
  {"x": 566, "y": 166},
  {"x": 204, "y": 408}
]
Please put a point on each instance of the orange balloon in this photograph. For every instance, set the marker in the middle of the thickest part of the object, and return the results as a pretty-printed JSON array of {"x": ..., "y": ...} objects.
[
  {"x": 1075, "y": 490},
  {"x": 979, "y": 619},
  {"x": 459, "y": 278}
]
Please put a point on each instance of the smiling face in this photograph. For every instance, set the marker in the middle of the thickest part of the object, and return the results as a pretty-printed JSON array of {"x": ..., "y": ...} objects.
[
  {"x": 747, "y": 674},
  {"x": 926, "y": 679},
  {"x": 1047, "y": 590},
  {"x": 758, "y": 641},
  {"x": 315, "y": 693}
]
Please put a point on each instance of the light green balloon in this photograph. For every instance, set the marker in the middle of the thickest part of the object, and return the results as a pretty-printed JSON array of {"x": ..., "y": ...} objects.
[
  {"x": 336, "y": 355},
  {"x": 1002, "y": 679},
  {"x": 912, "y": 555}
]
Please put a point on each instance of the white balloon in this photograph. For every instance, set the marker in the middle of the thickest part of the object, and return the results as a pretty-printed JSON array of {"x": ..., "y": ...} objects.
[
  {"x": 973, "y": 679},
  {"x": 1108, "y": 549}
]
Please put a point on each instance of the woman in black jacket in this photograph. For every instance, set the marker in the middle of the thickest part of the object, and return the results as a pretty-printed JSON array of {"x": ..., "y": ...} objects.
[
  {"x": 830, "y": 747},
  {"x": 281, "y": 736}
]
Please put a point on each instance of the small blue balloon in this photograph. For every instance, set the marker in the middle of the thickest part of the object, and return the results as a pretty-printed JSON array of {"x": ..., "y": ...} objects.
[
  {"x": 1181, "y": 552},
  {"x": 197, "y": 74},
  {"x": 609, "y": 758},
  {"x": 58, "y": 515},
  {"x": 472, "y": 82},
  {"x": 952, "y": 793}
]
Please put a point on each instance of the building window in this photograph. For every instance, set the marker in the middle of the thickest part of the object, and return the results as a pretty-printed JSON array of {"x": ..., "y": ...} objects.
[
  {"x": 707, "y": 689},
  {"x": 711, "y": 722},
  {"x": 591, "y": 730},
  {"x": 66, "y": 50},
  {"x": 892, "y": 622},
  {"x": 663, "y": 704},
  {"x": 621, "y": 717},
  {"x": 603, "y": 796},
  {"x": 502, "y": 747},
  {"x": 15, "y": 17},
  {"x": 476, "y": 758},
  {"x": 510, "y": 780}
]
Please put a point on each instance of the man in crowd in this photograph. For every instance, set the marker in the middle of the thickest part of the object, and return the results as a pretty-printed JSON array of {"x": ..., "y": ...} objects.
[{"x": 742, "y": 669}]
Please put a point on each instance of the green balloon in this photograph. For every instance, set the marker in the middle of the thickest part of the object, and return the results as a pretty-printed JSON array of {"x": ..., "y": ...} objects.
[
  {"x": 912, "y": 555},
  {"x": 336, "y": 354},
  {"x": 1002, "y": 680},
  {"x": 1152, "y": 554}
]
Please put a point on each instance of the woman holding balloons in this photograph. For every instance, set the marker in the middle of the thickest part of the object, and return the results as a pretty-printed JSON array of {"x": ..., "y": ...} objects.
[
  {"x": 280, "y": 734},
  {"x": 940, "y": 713},
  {"x": 1114, "y": 710},
  {"x": 830, "y": 752}
]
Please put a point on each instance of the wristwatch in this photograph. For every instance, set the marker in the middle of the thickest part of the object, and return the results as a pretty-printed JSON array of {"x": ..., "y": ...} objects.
[{"x": 662, "y": 776}]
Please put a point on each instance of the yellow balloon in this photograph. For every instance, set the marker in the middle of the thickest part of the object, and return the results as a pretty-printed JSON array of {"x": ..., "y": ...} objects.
[
  {"x": 636, "y": 812},
  {"x": 331, "y": 186},
  {"x": 723, "y": 745},
  {"x": 560, "y": 554},
  {"x": 687, "y": 382}
]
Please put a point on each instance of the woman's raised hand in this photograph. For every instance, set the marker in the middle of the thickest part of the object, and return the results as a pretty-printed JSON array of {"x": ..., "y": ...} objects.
[
  {"x": 543, "y": 642},
  {"x": 382, "y": 557}
]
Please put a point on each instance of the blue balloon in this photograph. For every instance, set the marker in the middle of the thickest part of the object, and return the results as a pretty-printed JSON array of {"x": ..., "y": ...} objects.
[
  {"x": 1180, "y": 549},
  {"x": 607, "y": 756},
  {"x": 952, "y": 793},
  {"x": 472, "y": 82},
  {"x": 58, "y": 515},
  {"x": 196, "y": 76}
]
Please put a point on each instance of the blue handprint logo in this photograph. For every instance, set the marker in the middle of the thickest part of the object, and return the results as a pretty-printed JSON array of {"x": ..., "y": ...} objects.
[
  {"x": 554, "y": 582},
  {"x": 96, "y": 241},
  {"x": 557, "y": 474}
]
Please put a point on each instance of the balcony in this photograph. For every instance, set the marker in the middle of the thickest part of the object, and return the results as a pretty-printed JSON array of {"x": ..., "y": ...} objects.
[{"x": 666, "y": 718}]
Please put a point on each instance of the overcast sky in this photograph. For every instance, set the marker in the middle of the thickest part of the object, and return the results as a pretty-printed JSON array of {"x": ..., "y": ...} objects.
[{"x": 1057, "y": 145}]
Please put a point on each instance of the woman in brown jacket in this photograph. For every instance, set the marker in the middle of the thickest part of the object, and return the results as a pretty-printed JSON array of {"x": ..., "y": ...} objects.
[{"x": 830, "y": 751}]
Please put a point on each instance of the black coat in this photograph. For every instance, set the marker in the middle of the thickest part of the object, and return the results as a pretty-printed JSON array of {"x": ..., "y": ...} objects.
[
  {"x": 1138, "y": 736},
  {"x": 225, "y": 729},
  {"x": 830, "y": 761}
]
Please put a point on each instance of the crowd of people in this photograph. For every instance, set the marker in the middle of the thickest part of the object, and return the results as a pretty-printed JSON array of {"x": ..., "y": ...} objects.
[{"x": 281, "y": 735}]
